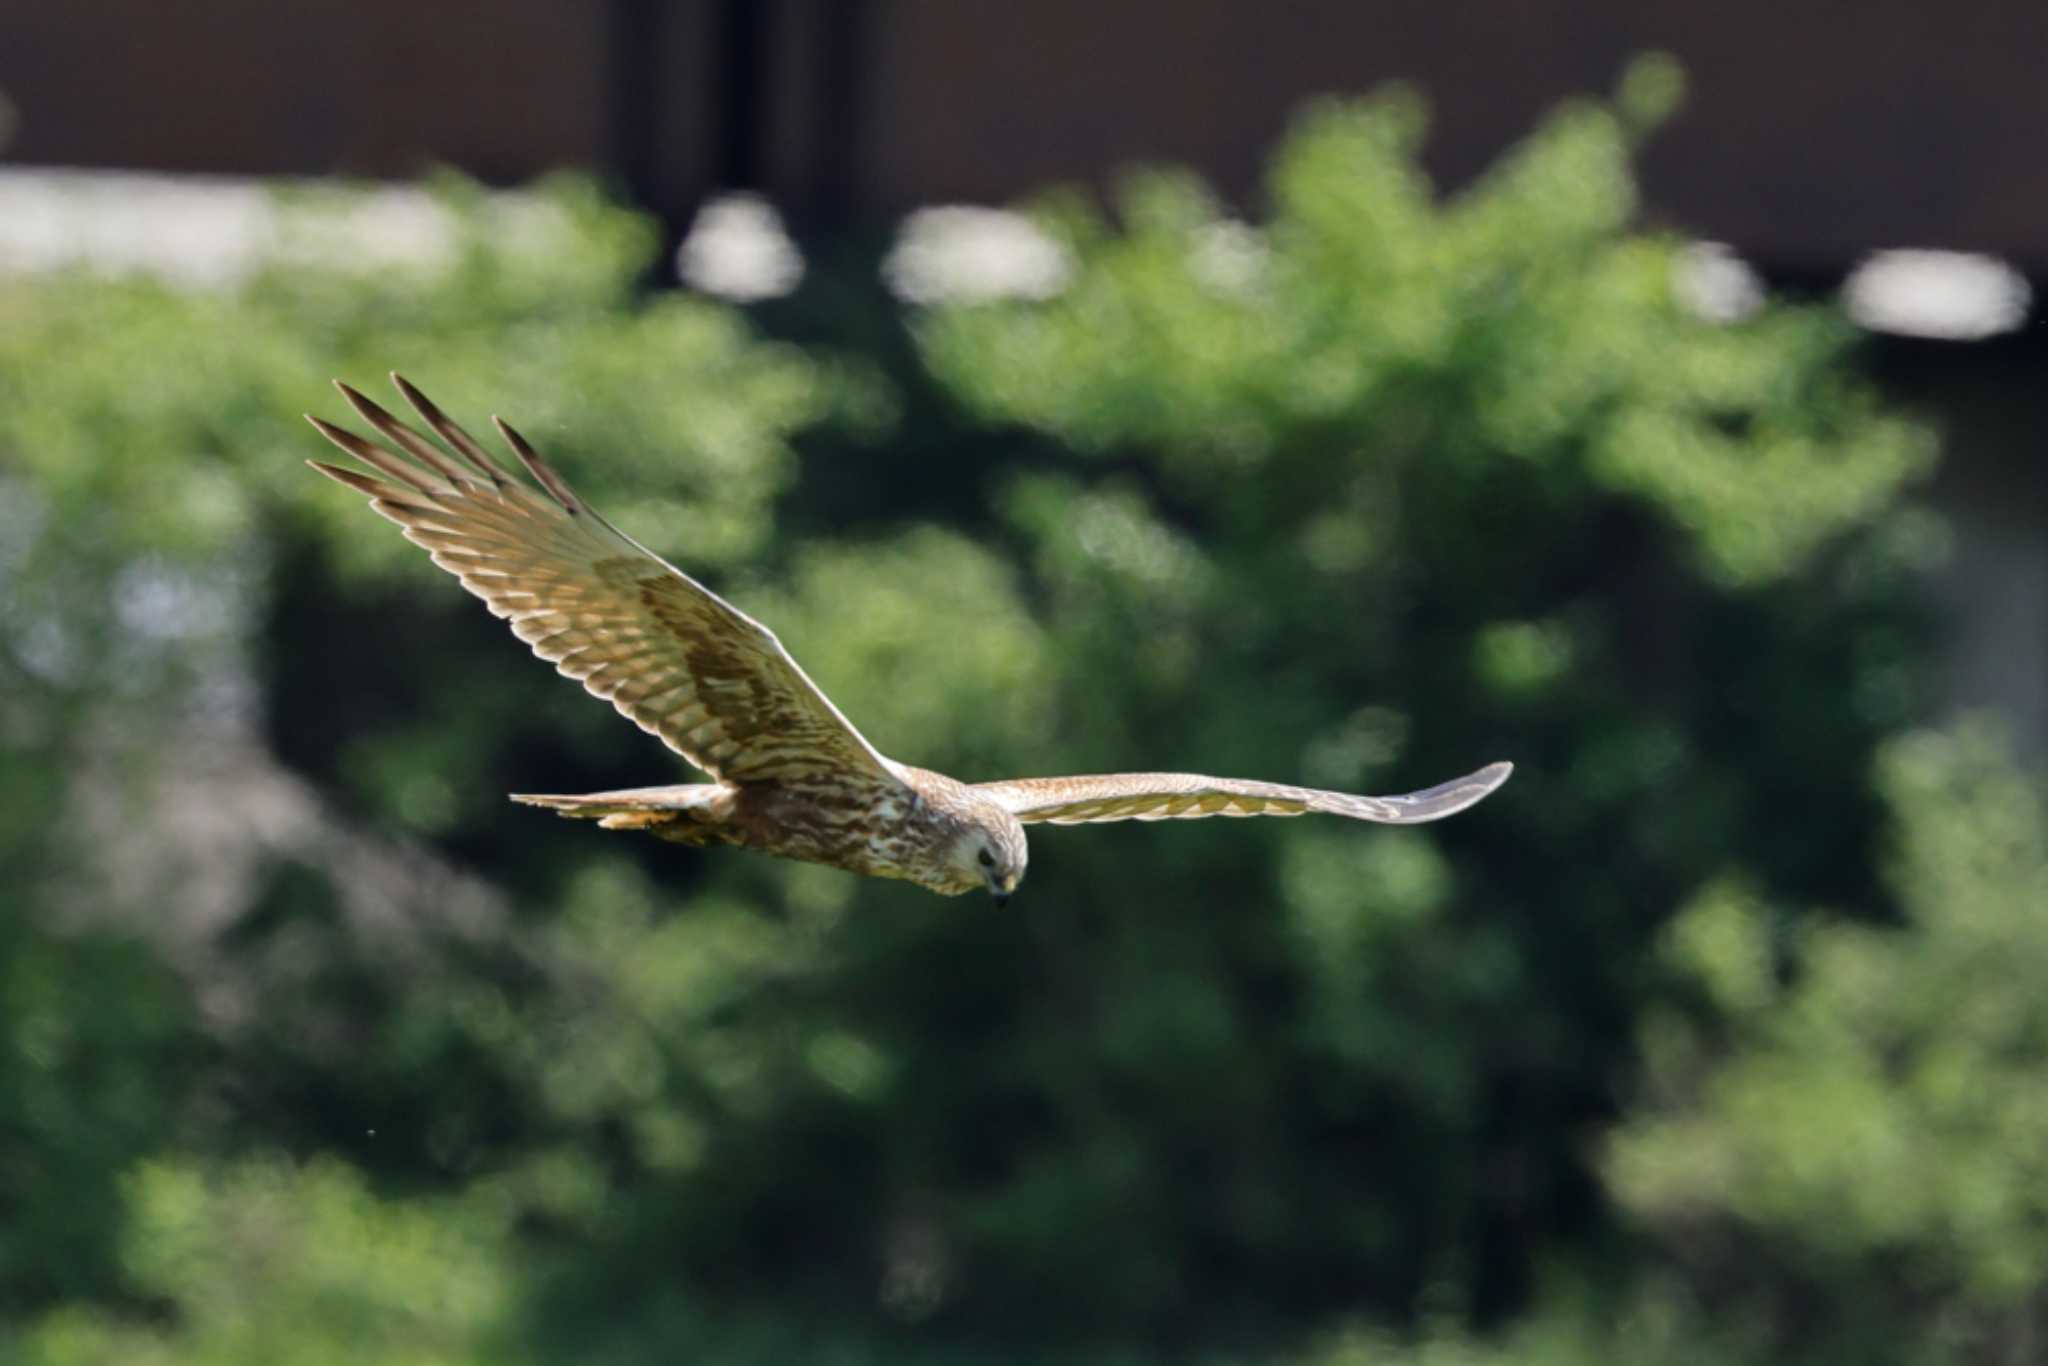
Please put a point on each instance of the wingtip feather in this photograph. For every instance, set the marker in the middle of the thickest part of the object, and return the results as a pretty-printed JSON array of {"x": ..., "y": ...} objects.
[
  {"x": 361, "y": 483},
  {"x": 465, "y": 445},
  {"x": 542, "y": 472},
  {"x": 385, "y": 462},
  {"x": 1459, "y": 794}
]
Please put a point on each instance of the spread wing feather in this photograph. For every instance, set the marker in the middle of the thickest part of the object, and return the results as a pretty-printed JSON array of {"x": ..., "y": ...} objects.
[
  {"x": 1187, "y": 796},
  {"x": 679, "y": 661}
]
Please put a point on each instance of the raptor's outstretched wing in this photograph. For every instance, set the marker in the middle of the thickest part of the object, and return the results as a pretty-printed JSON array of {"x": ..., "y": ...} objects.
[
  {"x": 678, "y": 660},
  {"x": 1185, "y": 796}
]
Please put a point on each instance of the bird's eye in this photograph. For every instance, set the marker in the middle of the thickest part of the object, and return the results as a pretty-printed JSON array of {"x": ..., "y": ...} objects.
[{"x": 987, "y": 859}]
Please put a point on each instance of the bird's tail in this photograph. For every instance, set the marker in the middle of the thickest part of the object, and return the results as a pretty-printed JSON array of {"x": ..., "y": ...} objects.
[{"x": 639, "y": 808}]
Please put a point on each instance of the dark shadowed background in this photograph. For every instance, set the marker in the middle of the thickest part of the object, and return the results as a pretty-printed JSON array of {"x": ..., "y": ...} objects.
[{"x": 1347, "y": 394}]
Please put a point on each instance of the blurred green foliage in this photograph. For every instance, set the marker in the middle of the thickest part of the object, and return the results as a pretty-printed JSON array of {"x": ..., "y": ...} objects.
[
  {"x": 1855, "y": 1152},
  {"x": 266, "y": 1261},
  {"x": 1380, "y": 488}
]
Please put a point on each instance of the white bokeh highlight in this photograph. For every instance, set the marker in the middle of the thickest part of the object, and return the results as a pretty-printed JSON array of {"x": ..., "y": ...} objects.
[
  {"x": 963, "y": 254},
  {"x": 1714, "y": 283},
  {"x": 737, "y": 249},
  {"x": 1944, "y": 295}
]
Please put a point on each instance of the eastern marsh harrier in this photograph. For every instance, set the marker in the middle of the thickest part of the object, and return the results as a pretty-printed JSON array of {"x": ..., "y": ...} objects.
[{"x": 791, "y": 775}]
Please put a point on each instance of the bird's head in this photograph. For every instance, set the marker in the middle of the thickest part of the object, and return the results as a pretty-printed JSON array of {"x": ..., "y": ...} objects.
[{"x": 989, "y": 852}]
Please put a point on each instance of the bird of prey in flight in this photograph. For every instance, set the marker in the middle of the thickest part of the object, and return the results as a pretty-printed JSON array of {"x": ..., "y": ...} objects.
[{"x": 790, "y": 774}]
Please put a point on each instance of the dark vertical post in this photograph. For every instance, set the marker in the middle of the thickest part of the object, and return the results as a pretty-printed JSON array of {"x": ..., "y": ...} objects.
[
  {"x": 637, "y": 48},
  {"x": 842, "y": 78},
  {"x": 744, "y": 39}
]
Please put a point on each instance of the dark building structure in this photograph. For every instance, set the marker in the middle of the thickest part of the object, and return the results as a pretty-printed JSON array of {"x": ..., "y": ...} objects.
[{"x": 1814, "y": 133}]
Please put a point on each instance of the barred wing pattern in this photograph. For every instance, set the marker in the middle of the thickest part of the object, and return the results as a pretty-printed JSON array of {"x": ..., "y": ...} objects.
[
  {"x": 679, "y": 661},
  {"x": 1188, "y": 796}
]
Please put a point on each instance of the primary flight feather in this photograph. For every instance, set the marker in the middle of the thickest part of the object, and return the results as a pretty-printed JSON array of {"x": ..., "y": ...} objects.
[{"x": 790, "y": 774}]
